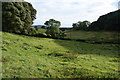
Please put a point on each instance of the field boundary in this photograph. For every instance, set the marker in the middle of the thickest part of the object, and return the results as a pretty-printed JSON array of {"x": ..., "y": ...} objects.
[
  {"x": 90, "y": 41},
  {"x": 77, "y": 40}
]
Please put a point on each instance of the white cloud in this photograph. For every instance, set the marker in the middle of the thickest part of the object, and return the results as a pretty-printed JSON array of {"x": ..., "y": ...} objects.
[{"x": 70, "y": 11}]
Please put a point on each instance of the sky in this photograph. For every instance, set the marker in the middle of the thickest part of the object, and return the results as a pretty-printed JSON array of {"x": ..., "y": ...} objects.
[{"x": 71, "y": 11}]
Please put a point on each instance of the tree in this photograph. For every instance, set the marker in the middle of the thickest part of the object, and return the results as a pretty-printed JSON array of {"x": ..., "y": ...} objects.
[
  {"x": 17, "y": 17},
  {"x": 75, "y": 26},
  {"x": 84, "y": 25},
  {"x": 53, "y": 28},
  {"x": 81, "y": 25}
]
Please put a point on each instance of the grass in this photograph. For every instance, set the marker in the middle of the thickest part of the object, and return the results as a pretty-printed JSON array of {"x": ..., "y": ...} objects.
[
  {"x": 31, "y": 57},
  {"x": 94, "y": 36}
]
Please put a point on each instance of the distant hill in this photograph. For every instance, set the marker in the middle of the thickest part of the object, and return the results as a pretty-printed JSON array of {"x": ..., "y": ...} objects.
[
  {"x": 40, "y": 26},
  {"x": 45, "y": 27},
  {"x": 65, "y": 28},
  {"x": 108, "y": 21}
]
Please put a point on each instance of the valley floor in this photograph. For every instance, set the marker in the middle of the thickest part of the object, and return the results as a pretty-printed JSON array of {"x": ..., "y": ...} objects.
[{"x": 31, "y": 57}]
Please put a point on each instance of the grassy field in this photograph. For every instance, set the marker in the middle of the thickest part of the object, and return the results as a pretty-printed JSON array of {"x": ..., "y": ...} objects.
[
  {"x": 31, "y": 57},
  {"x": 94, "y": 36}
]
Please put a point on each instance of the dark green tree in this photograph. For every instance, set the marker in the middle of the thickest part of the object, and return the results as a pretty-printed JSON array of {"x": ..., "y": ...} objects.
[
  {"x": 17, "y": 17},
  {"x": 53, "y": 28},
  {"x": 81, "y": 25}
]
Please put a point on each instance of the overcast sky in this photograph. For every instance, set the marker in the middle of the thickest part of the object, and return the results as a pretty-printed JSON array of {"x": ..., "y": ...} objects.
[{"x": 71, "y": 11}]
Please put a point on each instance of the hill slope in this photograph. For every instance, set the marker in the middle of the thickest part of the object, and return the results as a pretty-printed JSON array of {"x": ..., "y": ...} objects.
[
  {"x": 99, "y": 36},
  {"x": 30, "y": 57},
  {"x": 108, "y": 21}
]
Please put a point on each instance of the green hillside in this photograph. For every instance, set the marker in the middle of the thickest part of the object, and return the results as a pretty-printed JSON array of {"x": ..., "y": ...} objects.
[
  {"x": 101, "y": 36},
  {"x": 31, "y": 57}
]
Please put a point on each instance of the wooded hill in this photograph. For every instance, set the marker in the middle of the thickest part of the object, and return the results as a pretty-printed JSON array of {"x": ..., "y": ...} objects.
[{"x": 108, "y": 21}]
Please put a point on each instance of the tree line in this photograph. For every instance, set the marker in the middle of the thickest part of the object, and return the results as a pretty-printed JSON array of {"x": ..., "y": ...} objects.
[
  {"x": 18, "y": 17},
  {"x": 81, "y": 25},
  {"x": 107, "y": 22}
]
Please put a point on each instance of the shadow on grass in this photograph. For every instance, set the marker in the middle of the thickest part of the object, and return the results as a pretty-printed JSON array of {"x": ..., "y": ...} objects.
[
  {"x": 107, "y": 50},
  {"x": 74, "y": 64}
]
